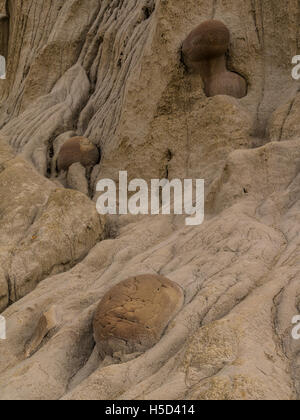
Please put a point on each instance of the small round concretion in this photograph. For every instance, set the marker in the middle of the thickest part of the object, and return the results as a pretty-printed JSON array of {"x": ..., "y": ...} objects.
[
  {"x": 133, "y": 315},
  {"x": 77, "y": 149},
  {"x": 210, "y": 39}
]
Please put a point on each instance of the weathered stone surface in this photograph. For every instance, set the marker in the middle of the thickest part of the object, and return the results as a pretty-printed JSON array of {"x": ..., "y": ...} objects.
[
  {"x": 67, "y": 229},
  {"x": 44, "y": 229},
  {"x": 76, "y": 178},
  {"x": 284, "y": 124},
  {"x": 112, "y": 72},
  {"x": 48, "y": 321},
  {"x": 133, "y": 315}
]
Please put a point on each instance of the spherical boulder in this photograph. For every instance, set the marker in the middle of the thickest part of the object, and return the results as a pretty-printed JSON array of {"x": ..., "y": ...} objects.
[
  {"x": 133, "y": 315},
  {"x": 77, "y": 150},
  {"x": 208, "y": 40}
]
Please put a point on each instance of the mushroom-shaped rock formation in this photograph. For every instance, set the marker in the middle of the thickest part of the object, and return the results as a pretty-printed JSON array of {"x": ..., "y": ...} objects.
[
  {"x": 77, "y": 149},
  {"x": 204, "y": 51},
  {"x": 133, "y": 315}
]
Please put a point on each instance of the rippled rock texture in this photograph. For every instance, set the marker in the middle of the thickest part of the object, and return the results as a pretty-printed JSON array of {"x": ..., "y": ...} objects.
[{"x": 112, "y": 71}]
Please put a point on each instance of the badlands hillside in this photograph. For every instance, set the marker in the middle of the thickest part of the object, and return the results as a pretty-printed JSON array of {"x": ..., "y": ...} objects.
[{"x": 207, "y": 310}]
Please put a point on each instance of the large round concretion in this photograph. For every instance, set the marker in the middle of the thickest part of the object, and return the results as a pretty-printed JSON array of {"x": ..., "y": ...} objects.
[
  {"x": 133, "y": 315},
  {"x": 210, "y": 39}
]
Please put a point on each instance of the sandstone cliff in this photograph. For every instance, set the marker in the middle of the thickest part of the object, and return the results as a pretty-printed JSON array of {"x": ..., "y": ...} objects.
[{"x": 112, "y": 71}]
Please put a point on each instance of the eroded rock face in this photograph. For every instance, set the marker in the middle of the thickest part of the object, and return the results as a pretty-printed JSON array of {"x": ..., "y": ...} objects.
[
  {"x": 204, "y": 51},
  {"x": 77, "y": 150},
  {"x": 133, "y": 315},
  {"x": 44, "y": 229},
  {"x": 67, "y": 228},
  {"x": 47, "y": 322},
  {"x": 116, "y": 78}
]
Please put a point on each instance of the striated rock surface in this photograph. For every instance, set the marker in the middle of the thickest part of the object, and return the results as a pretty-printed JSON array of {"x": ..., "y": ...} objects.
[
  {"x": 45, "y": 230},
  {"x": 112, "y": 72}
]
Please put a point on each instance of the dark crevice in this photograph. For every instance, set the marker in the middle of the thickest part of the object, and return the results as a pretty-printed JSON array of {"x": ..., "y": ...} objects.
[
  {"x": 10, "y": 290},
  {"x": 148, "y": 9},
  {"x": 89, "y": 174},
  {"x": 50, "y": 155},
  {"x": 147, "y": 12},
  {"x": 169, "y": 155},
  {"x": 286, "y": 118},
  {"x": 4, "y": 34}
]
